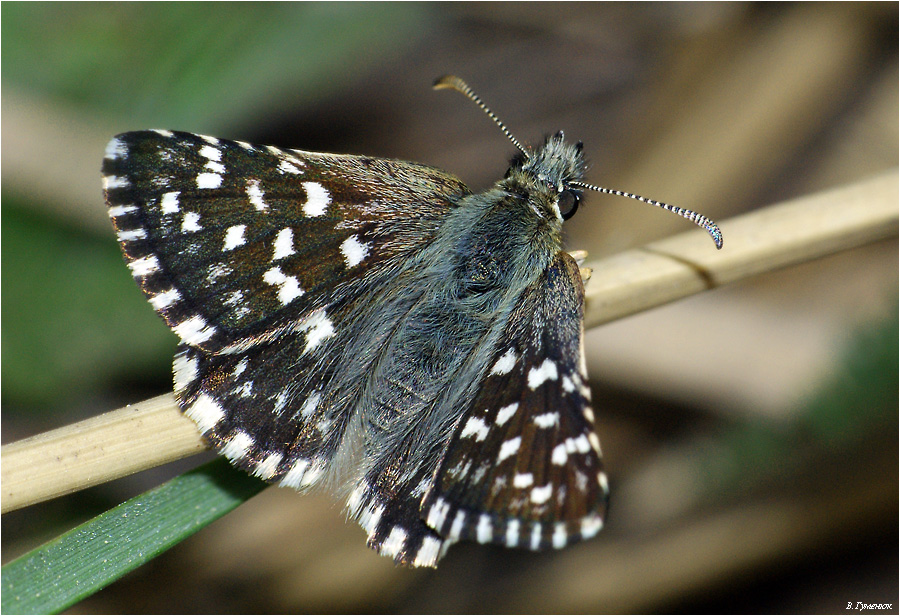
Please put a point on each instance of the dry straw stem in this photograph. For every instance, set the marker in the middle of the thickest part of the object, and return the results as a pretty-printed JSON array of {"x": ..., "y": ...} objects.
[{"x": 154, "y": 432}]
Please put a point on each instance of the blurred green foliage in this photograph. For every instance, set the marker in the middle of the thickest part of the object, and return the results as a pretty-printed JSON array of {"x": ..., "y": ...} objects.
[
  {"x": 73, "y": 319},
  {"x": 200, "y": 65},
  {"x": 856, "y": 406}
]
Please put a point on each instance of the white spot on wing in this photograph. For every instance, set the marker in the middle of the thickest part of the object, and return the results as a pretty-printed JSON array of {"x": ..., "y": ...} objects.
[
  {"x": 234, "y": 237},
  {"x": 588, "y": 413},
  {"x": 169, "y": 202},
  {"x": 394, "y": 543},
  {"x": 512, "y": 533},
  {"x": 130, "y": 236},
  {"x": 215, "y": 167},
  {"x": 355, "y": 501},
  {"x": 114, "y": 181},
  {"x": 354, "y": 251},
  {"x": 369, "y": 518},
  {"x": 509, "y": 448},
  {"x": 536, "y": 536},
  {"x": 317, "y": 199},
  {"x": 475, "y": 427},
  {"x": 217, "y": 270},
  {"x": 268, "y": 466},
  {"x": 191, "y": 222},
  {"x": 505, "y": 413},
  {"x": 310, "y": 404},
  {"x": 505, "y": 363},
  {"x": 288, "y": 287},
  {"x": 543, "y": 373},
  {"x": 239, "y": 368},
  {"x": 280, "y": 402},
  {"x": 115, "y": 149},
  {"x": 294, "y": 477},
  {"x": 205, "y": 412},
  {"x": 547, "y": 420},
  {"x": 184, "y": 370},
  {"x": 595, "y": 442},
  {"x": 422, "y": 488},
  {"x": 484, "y": 530},
  {"x": 458, "y": 523},
  {"x": 437, "y": 515},
  {"x": 120, "y": 210},
  {"x": 590, "y": 526},
  {"x": 560, "y": 455},
  {"x": 523, "y": 480},
  {"x": 287, "y": 167},
  {"x": 284, "y": 244},
  {"x": 255, "y": 194},
  {"x": 312, "y": 476},
  {"x": 245, "y": 390},
  {"x": 582, "y": 445},
  {"x": 541, "y": 494},
  {"x": 209, "y": 180},
  {"x": 320, "y": 328},
  {"x": 194, "y": 330},
  {"x": 165, "y": 299},
  {"x": 143, "y": 267},
  {"x": 428, "y": 552},
  {"x": 560, "y": 538},
  {"x": 211, "y": 153}
]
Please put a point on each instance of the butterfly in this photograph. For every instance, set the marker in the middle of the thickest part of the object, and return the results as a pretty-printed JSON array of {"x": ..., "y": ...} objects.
[{"x": 373, "y": 327}]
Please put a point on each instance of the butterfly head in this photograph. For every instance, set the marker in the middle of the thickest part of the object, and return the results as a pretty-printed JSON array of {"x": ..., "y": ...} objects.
[
  {"x": 551, "y": 170},
  {"x": 555, "y": 171}
]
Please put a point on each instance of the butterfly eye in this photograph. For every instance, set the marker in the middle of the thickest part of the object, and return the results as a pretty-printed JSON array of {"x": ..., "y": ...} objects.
[{"x": 567, "y": 203}]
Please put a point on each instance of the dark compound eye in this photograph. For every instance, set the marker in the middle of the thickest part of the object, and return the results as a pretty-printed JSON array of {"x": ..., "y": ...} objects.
[{"x": 567, "y": 203}]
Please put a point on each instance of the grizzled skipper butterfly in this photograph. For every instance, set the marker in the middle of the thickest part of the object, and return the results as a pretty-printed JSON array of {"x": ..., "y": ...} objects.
[{"x": 372, "y": 326}]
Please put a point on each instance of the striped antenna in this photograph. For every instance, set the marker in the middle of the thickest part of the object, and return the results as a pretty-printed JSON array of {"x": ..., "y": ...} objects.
[
  {"x": 455, "y": 83},
  {"x": 698, "y": 219}
]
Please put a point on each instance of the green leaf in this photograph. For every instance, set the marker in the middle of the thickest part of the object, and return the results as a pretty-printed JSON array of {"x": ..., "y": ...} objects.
[{"x": 79, "y": 563}]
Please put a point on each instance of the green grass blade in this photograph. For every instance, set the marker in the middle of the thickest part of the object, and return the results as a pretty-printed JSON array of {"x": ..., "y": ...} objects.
[{"x": 79, "y": 563}]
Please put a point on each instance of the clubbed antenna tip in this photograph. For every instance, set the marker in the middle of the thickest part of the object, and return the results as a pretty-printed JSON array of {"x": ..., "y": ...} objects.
[
  {"x": 698, "y": 219},
  {"x": 452, "y": 82}
]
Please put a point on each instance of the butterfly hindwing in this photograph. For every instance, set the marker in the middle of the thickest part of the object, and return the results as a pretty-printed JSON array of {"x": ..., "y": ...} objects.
[
  {"x": 524, "y": 465},
  {"x": 234, "y": 243}
]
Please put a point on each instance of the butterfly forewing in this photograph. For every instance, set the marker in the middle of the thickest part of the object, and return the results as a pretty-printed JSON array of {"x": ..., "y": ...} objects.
[
  {"x": 236, "y": 243},
  {"x": 261, "y": 259},
  {"x": 523, "y": 468}
]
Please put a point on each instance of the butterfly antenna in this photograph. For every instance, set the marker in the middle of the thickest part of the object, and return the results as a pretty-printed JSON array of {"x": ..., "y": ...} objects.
[
  {"x": 455, "y": 83},
  {"x": 698, "y": 219}
]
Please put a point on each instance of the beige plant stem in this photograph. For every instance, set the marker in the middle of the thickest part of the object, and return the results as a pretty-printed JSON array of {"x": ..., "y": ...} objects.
[{"x": 153, "y": 432}]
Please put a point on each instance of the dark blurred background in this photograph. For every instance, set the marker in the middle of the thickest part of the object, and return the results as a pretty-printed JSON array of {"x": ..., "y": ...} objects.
[{"x": 750, "y": 433}]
